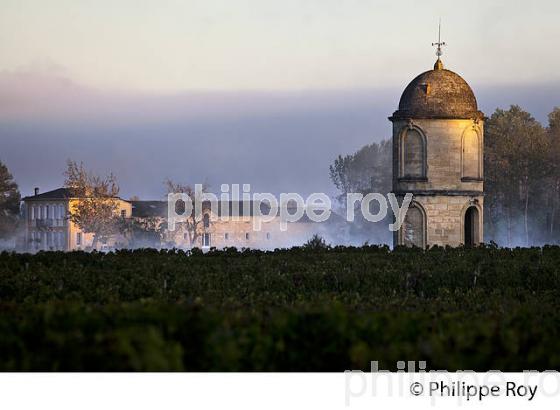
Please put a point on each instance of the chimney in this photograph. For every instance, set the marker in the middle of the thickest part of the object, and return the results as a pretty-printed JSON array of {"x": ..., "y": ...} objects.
[{"x": 36, "y": 191}]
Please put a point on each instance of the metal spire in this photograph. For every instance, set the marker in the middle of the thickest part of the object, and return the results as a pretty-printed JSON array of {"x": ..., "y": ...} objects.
[{"x": 439, "y": 43}]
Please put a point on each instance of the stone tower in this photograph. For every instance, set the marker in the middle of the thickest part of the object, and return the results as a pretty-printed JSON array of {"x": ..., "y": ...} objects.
[{"x": 438, "y": 140}]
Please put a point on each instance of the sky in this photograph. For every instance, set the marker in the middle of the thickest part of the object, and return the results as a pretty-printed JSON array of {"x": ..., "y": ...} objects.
[{"x": 244, "y": 91}]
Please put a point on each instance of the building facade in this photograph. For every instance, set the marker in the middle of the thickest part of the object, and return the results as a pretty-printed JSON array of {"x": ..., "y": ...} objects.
[
  {"x": 216, "y": 231},
  {"x": 438, "y": 140},
  {"x": 48, "y": 225}
]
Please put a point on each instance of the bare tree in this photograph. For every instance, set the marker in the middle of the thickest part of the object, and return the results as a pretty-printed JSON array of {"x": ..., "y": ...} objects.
[
  {"x": 193, "y": 225},
  {"x": 95, "y": 210}
]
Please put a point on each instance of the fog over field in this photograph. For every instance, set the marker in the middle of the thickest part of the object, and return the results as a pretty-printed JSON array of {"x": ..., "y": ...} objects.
[{"x": 275, "y": 141}]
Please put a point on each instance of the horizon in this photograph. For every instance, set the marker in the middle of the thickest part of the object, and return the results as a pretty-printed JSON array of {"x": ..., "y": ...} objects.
[{"x": 277, "y": 92}]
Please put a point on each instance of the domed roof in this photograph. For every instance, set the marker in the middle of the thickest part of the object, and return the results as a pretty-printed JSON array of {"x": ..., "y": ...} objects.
[{"x": 438, "y": 93}]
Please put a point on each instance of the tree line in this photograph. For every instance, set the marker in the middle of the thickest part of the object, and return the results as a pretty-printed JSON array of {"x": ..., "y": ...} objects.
[
  {"x": 521, "y": 179},
  {"x": 521, "y": 172},
  {"x": 96, "y": 212}
]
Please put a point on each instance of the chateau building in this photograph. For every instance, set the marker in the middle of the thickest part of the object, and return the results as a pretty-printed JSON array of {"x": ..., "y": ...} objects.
[
  {"x": 48, "y": 226},
  {"x": 438, "y": 140},
  {"x": 213, "y": 231}
]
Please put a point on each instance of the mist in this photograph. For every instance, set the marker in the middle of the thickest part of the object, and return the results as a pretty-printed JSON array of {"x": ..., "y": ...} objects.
[{"x": 275, "y": 141}]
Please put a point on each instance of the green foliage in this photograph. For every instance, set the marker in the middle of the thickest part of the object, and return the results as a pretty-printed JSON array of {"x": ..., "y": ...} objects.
[
  {"x": 517, "y": 167},
  {"x": 9, "y": 203},
  {"x": 288, "y": 310},
  {"x": 316, "y": 242},
  {"x": 367, "y": 170}
]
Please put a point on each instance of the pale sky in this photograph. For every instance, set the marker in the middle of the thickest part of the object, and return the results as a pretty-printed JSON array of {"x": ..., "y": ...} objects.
[
  {"x": 174, "y": 46},
  {"x": 265, "y": 92}
]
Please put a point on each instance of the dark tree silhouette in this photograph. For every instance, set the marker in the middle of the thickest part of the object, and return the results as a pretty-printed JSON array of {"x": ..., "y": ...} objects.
[{"x": 9, "y": 203}]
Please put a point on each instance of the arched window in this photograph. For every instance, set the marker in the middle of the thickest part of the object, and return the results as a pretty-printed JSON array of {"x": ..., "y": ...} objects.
[
  {"x": 413, "y": 155},
  {"x": 413, "y": 227},
  {"x": 471, "y": 155}
]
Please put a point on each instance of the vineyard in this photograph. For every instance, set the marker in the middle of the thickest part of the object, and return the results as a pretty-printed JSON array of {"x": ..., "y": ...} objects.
[{"x": 301, "y": 309}]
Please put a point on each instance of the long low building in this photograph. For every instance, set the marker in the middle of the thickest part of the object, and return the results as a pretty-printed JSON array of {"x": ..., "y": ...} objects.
[
  {"x": 216, "y": 228},
  {"x": 49, "y": 226}
]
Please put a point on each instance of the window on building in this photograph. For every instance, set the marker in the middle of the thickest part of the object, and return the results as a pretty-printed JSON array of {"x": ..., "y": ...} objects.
[
  {"x": 226, "y": 236},
  {"x": 413, "y": 155},
  {"x": 471, "y": 155},
  {"x": 206, "y": 240},
  {"x": 268, "y": 235},
  {"x": 40, "y": 213},
  {"x": 413, "y": 231},
  {"x": 247, "y": 236},
  {"x": 33, "y": 212},
  {"x": 206, "y": 220},
  {"x": 123, "y": 213},
  {"x": 78, "y": 238}
]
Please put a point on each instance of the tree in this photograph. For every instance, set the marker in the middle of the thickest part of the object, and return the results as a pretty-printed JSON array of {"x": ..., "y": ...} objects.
[
  {"x": 554, "y": 185},
  {"x": 144, "y": 232},
  {"x": 95, "y": 210},
  {"x": 316, "y": 242},
  {"x": 367, "y": 170},
  {"x": 516, "y": 163},
  {"x": 10, "y": 199},
  {"x": 193, "y": 225}
]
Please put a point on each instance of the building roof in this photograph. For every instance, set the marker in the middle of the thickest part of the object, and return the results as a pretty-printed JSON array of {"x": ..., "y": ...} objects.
[
  {"x": 145, "y": 209},
  {"x": 60, "y": 193},
  {"x": 55, "y": 194},
  {"x": 438, "y": 93}
]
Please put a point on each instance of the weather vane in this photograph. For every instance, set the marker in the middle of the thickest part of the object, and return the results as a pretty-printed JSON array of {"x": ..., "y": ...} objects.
[{"x": 439, "y": 43}]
